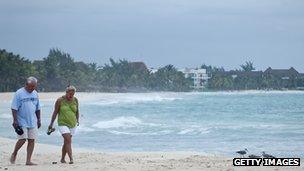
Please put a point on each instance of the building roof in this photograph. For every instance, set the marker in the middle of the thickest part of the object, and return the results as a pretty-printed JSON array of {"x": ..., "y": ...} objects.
[
  {"x": 139, "y": 65},
  {"x": 282, "y": 72}
]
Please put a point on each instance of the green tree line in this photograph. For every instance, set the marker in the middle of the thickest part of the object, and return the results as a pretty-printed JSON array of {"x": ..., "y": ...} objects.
[
  {"x": 246, "y": 78},
  {"x": 59, "y": 69}
]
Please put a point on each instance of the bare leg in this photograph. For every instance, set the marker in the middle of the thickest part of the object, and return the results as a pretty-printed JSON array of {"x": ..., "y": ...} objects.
[
  {"x": 30, "y": 149},
  {"x": 63, "y": 153},
  {"x": 18, "y": 145},
  {"x": 68, "y": 145}
]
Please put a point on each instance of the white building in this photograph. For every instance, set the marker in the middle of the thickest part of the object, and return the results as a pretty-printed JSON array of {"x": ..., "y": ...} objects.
[{"x": 199, "y": 77}]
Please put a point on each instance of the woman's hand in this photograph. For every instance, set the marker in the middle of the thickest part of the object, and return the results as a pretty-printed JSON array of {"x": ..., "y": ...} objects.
[{"x": 50, "y": 126}]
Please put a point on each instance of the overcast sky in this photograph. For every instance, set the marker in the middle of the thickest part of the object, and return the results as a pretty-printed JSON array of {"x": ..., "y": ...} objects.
[{"x": 185, "y": 33}]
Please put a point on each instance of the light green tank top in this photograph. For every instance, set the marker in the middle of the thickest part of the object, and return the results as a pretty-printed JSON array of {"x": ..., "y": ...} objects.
[{"x": 67, "y": 113}]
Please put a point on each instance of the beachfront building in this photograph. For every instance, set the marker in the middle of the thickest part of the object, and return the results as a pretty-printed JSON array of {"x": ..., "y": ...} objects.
[
  {"x": 283, "y": 74},
  {"x": 198, "y": 76},
  {"x": 282, "y": 78}
]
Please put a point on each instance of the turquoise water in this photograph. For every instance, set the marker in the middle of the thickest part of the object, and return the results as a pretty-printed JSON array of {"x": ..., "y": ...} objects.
[{"x": 211, "y": 122}]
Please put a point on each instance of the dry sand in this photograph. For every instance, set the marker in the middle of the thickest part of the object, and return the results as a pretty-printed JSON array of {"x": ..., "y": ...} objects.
[
  {"x": 51, "y": 96},
  {"x": 86, "y": 160}
]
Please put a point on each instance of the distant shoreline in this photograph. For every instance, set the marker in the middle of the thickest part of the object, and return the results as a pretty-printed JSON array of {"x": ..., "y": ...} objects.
[
  {"x": 262, "y": 90},
  {"x": 52, "y": 96}
]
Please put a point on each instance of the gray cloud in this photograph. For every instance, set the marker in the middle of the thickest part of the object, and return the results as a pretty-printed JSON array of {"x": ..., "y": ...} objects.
[{"x": 179, "y": 32}]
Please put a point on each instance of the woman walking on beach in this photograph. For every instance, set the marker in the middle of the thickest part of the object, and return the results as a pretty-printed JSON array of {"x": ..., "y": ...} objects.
[{"x": 66, "y": 107}]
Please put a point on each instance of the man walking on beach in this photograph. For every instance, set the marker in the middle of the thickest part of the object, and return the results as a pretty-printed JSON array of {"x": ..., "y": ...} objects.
[{"x": 26, "y": 115}]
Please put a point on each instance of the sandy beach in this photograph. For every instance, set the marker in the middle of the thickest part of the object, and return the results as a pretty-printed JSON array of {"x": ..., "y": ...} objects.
[
  {"x": 45, "y": 155},
  {"x": 44, "y": 96}
]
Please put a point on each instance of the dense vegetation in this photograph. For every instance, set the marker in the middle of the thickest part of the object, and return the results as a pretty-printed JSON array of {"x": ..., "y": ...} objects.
[
  {"x": 247, "y": 79},
  {"x": 59, "y": 69},
  {"x": 14, "y": 70}
]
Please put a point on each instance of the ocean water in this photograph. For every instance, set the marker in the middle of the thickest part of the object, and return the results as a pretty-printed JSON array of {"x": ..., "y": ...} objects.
[{"x": 209, "y": 122}]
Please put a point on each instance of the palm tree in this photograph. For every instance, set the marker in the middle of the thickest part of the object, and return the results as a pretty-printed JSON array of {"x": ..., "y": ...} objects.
[{"x": 248, "y": 66}]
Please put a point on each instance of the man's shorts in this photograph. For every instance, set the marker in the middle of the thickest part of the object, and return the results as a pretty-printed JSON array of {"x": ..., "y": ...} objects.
[
  {"x": 28, "y": 133},
  {"x": 67, "y": 130}
]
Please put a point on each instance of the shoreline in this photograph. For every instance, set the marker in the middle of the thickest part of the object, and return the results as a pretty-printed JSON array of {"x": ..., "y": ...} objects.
[
  {"x": 203, "y": 91},
  {"x": 48, "y": 95},
  {"x": 90, "y": 96},
  {"x": 44, "y": 155}
]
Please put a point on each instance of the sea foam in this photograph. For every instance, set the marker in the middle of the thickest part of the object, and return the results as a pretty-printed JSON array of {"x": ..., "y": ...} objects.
[{"x": 119, "y": 122}]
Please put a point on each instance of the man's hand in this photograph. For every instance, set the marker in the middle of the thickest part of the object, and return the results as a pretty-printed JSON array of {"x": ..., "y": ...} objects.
[
  {"x": 39, "y": 124},
  {"x": 15, "y": 124}
]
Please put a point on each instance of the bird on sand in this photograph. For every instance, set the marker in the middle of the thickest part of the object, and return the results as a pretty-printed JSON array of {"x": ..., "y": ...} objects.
[
  {"x": 242, "y": 152},
  {"x": 253, "y": 156},
  {"x": 267, "y": 155}
]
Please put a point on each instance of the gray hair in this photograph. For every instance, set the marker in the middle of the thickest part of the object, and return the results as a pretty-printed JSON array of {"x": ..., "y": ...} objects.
[
  {"x": 69, "y": 88},
  {"x": 30, "y": 80}
]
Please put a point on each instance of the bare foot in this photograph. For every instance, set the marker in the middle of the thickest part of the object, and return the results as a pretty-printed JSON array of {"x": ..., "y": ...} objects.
[
  {"x": 30, "y": 164},
  {"x": 62, "y": 161},
  {"x": 13, "y": 159}
]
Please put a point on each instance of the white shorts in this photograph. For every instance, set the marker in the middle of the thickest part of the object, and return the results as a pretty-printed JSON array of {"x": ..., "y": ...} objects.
[
  {"x": 67, "y": 130},
  {"x": 28, "y": 133}
]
